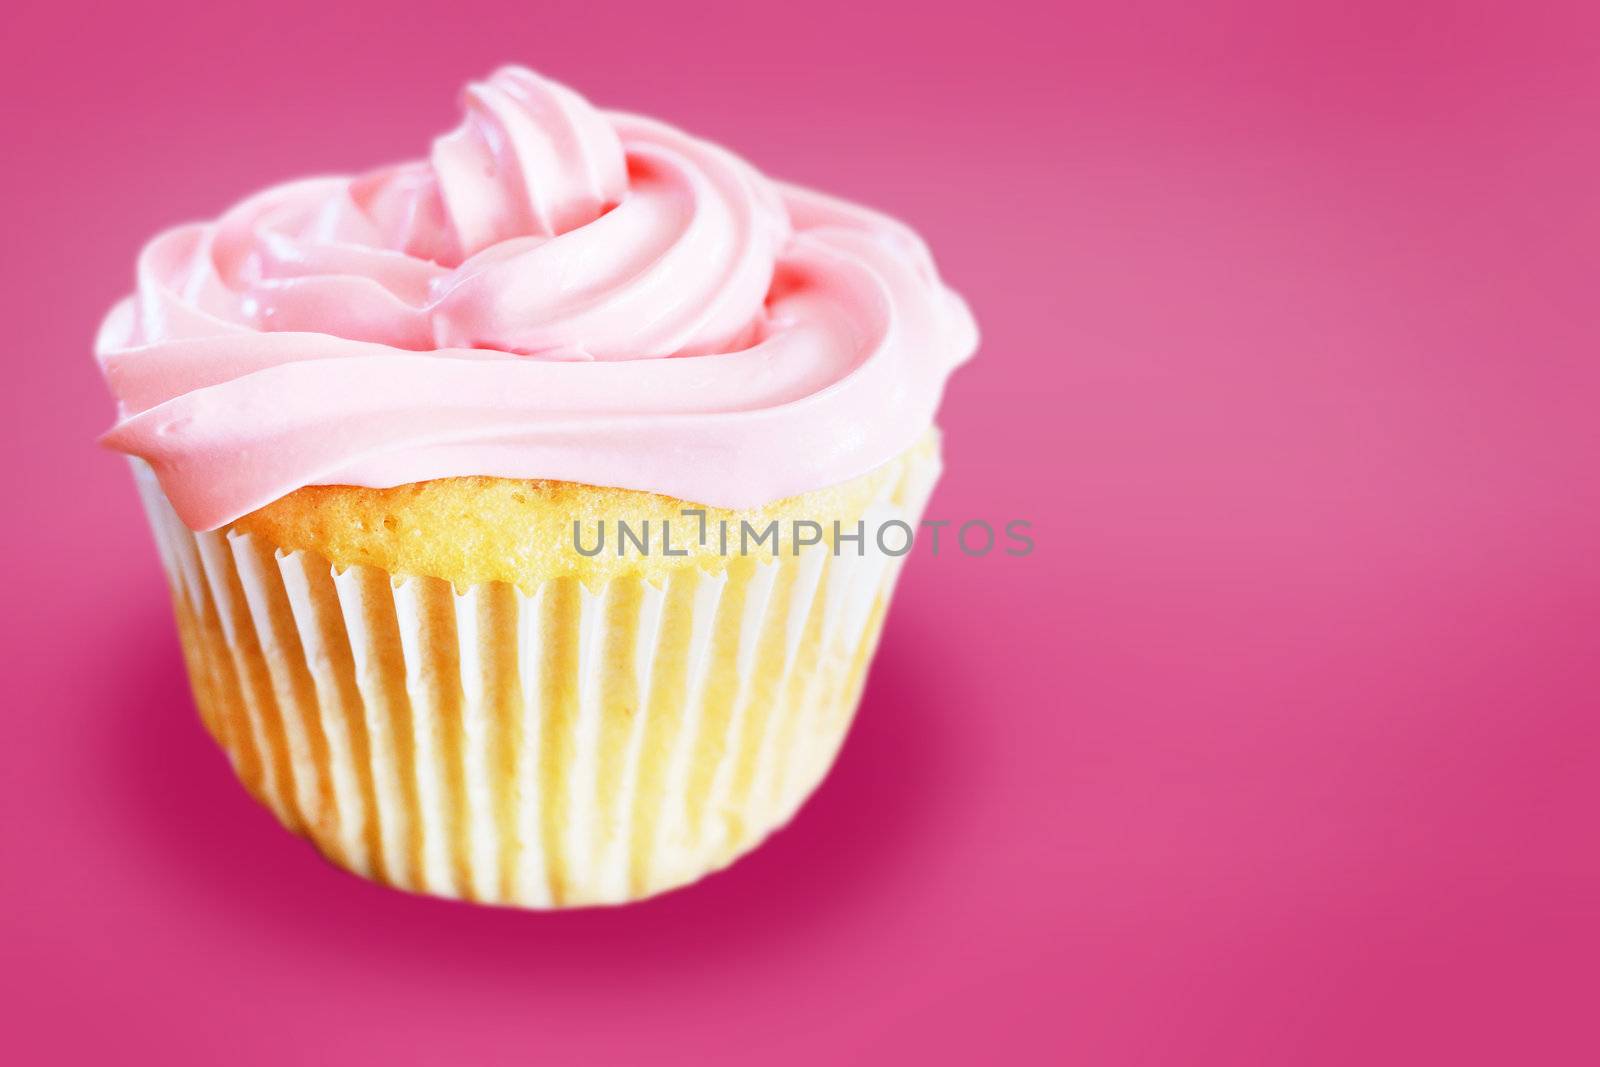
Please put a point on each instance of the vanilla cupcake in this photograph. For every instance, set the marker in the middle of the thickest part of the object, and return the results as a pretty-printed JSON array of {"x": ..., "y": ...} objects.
[{"x": 523, "y": 508}]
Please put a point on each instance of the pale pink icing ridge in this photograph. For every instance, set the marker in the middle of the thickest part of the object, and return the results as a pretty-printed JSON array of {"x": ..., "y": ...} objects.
[{"x": 557, "y": 292}]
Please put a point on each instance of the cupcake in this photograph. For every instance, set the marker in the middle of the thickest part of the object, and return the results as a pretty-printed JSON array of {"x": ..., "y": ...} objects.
[{"x": 531, "y": 511}]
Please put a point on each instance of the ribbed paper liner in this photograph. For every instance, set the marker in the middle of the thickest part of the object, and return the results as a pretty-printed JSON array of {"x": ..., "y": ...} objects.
[{"x": 564, "y": 746}]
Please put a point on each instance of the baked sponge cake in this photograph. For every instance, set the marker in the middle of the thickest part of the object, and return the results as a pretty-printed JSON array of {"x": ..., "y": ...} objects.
[{"x": 523, "y": 507}]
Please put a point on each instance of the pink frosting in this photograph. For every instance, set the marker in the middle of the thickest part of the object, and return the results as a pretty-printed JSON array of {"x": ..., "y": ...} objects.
[{"x": 557, "y": 292}]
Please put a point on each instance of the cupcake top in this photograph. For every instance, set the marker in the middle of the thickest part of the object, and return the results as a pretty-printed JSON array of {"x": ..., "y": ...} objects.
[{"x": 557, "y": 292}]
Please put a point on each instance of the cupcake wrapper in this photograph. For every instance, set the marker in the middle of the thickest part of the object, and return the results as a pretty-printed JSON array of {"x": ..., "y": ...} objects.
[{"x": 556, "y": 746}]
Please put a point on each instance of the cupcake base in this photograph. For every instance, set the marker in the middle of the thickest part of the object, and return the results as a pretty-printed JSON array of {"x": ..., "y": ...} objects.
[{"x": 549, "y": 746}]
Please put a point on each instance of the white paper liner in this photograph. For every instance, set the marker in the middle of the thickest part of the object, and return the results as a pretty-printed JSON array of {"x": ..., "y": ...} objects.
[{"x": 553, "y": 747}]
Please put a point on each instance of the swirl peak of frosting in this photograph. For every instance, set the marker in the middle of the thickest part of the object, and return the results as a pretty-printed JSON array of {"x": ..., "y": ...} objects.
[{"x": 556, "y": 292}]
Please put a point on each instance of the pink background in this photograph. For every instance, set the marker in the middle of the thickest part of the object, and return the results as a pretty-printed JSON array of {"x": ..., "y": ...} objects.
[{"x": 1282, "y": 748}]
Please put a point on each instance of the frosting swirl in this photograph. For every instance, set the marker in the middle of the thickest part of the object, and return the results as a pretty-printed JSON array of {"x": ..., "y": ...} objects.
[{"x": 557, "y": 292}]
